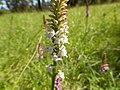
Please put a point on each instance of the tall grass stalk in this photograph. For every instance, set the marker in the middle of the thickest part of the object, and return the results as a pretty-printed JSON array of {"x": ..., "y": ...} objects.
[{"x": 29, "y": 61}]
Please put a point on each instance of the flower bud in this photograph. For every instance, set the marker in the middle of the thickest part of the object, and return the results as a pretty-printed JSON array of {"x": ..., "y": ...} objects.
[
  {"x": 65, "y": 10},
  {"x": 63, "y": 18},
  {"x": 58, "y": 1},
  {"x": 55, "y": 22},
  {"x": 65, "y": 1},
  {"x": 64, "y": 4},
  {"x": 48, "y": 20},
  {"x": 59, "y": 13},
  {"x": 64, "y": 13},
  {"x": 63, "y": 7},
  {"x": 52, "y": 16}
]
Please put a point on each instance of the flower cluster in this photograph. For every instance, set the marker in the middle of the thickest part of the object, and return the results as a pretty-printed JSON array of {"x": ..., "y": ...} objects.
[
  {"x": 104, "y": 66},
  {"x": 56, "y": 29},
  {"x": 58, "y": 78}
]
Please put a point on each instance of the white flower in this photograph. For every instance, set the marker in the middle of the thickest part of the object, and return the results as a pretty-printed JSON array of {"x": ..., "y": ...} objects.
[
  {"x": 64, "y": 39},
  {"x": 49, "y": 49},
  {"x": 57, "y": 41},
  {"x": 50, "y": 34},
  {"x": 62, "y": 51},
  {"x": 64, "y": 28},
  {"x": 66, "y": 0},
  {"x": 63, "y": 18},
  {"x": 50, "y": 68},
  {"x": 56, "y": 58},
  {"x": 61, "y": 74},
  {"x": 64, "y": 4},
  {"x": 48, "y": 28}
]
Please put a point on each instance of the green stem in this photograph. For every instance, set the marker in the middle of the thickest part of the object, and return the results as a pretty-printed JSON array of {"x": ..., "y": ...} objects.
[
  {"x": 85, "y": 32},
  {"x": 53, "y": 76}
]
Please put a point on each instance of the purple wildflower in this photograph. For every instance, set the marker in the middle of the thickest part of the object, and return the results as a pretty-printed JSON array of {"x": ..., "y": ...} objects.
[
  {"x": 87, "y": 12},
  {"x": 104, "y": 67},
  {"x": 87, "y": 8},
  {"x": 58, "y": 80},
  {"x": 40, "y": 51},
  {"x": 58, "y": 83}
]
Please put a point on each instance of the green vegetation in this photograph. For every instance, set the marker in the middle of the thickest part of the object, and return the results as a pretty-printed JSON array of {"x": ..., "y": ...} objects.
[{"x": 19, "y": 34}]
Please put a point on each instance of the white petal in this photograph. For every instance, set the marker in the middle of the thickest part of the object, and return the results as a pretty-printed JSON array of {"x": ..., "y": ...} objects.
[
  {"x": 61, "y": 74},
  {"x": 64, "y": 39},
  {"x": 56, "y": 58},
  {"x": 49, "y": 49},
  {"x": 57, "y": 41},
  {"x": 50, "y": 34},
  {"x": 62, "y": 51},
  {"x": 50, "y": 68}
]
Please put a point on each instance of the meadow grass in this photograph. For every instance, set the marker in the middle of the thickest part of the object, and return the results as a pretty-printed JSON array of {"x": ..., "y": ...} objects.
[{"x": 19, "y": 35}]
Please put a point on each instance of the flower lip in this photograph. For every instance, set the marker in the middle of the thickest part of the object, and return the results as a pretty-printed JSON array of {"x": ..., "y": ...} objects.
[
  {"x": 56, "y": 58},
  {"x": 50, "y": 68},
  {"x": 62, "y": 51},
  {"x": 61, "y": 74}
]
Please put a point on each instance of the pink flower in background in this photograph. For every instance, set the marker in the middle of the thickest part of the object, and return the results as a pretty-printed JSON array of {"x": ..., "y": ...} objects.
[
  {"x": 40, "y": 51},
  {"x": 87, "y": 8},
  {"x": 104, "y": 67}
]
